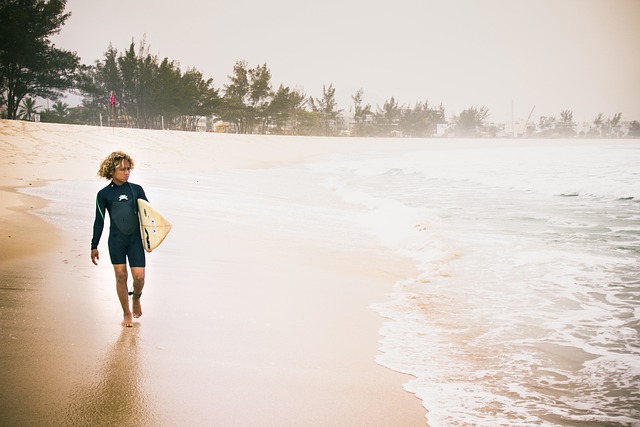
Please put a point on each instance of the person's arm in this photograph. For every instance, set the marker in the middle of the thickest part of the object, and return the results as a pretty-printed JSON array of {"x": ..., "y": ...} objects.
[
  {"x": 141, "y": 194},
  {"x": 98, "y": 226}
]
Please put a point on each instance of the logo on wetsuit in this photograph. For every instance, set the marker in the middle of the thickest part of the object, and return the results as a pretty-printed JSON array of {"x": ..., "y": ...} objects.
[{"x": 123, "y": 197}]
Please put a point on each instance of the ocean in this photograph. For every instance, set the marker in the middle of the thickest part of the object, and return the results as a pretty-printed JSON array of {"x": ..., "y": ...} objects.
[{"x": 526, "y": 309}]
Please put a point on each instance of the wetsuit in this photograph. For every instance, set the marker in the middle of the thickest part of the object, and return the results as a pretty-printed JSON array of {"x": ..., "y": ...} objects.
[{"x": 124, "y": 232}]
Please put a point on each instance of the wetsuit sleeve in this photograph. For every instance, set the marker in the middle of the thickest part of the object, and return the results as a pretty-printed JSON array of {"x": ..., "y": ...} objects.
[
  {"x": 98, "y": 223},
  {"x": 141, "y": 194}
]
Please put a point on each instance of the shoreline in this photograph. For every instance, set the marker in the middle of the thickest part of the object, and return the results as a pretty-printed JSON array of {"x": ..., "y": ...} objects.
[
  {"x": 18, "y": 217},
  {"x": 294, "y": 345}
]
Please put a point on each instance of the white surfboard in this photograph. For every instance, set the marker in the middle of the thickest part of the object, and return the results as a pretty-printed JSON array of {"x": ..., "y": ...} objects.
[{"x": 153, "y": 226}]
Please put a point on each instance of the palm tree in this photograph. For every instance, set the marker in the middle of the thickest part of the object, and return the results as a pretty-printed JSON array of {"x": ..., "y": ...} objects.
[
  {"x": 28, "y": 109},
  {"x": 60, "y": 108}
]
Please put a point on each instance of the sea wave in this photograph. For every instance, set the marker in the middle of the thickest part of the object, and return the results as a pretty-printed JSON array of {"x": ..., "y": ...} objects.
[{"x": 525, "y": 309}]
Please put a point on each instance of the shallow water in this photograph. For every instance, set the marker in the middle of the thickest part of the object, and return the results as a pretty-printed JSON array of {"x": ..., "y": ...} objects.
[{"x": 527, "y": 308}]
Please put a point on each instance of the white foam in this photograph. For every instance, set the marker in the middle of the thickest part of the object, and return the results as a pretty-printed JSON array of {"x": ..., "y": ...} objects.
[{"x": 525, "y": 296}]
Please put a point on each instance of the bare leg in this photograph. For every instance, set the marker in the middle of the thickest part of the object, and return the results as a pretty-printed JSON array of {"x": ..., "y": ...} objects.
[
  {"x": 138, "y": 284},
  {"x": 123, "y": 293}
]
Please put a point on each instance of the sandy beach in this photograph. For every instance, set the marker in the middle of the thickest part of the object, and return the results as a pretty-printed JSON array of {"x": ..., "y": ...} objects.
[{"x": 250, "y": 318}]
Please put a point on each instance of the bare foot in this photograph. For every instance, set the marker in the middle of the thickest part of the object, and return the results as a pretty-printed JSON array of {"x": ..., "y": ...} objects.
[
  {"x": 127, "y": 321},
  {"x": 137, "y": 307}
]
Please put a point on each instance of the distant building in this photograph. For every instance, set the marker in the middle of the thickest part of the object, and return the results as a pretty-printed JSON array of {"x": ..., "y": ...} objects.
[{"x": 222, "y": 127}]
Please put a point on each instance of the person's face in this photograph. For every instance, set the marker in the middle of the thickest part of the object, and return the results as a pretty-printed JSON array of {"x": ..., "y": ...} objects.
[{"x": 122, "y": 172}]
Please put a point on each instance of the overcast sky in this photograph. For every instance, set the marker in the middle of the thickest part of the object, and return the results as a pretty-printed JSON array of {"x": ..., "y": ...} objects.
[{"x": 580, "y": 55}]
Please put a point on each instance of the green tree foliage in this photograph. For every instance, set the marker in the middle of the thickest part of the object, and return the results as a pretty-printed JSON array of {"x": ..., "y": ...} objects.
[
  {"x": 551, "y": 127},
  {"x": 422, "y": 120},
  {"x": 286, "y": 111},
  {"x": 471, "y": 121},
  {"x": 326, "y": 110},
  {"x": 58, "y": 113},
  {"x": 28, "y": 109},
  {"x": 234, "y": 103},
  {"x": 547, "y": 124},
  {"x": 614, "y": 124},
  {"x": 197, "y": 98},
  {"x": 95, "y": 84},
  {"x": 260, "y": 95},
  {"x": 362, "y": 115},
  {"x": 598, "y": 123},
  {"x": 566, "y": 126},
  {"x": 606, "y": 127},
  {"x": 61, "y": 108},
  {"x": 30, "y": 65},
  {"x": 149, "y": 94},
  {"x": 247, "y": 98},
  {"x": 388, "y": 117}
]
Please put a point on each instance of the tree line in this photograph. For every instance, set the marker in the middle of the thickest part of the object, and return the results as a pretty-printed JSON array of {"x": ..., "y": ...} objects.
[
  {"x": 151, "y": 93},
  {"x": 155, "y": 94}
]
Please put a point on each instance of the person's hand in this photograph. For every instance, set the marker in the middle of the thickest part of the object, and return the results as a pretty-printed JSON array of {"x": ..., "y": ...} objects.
[{"x": 95, "y": 256}]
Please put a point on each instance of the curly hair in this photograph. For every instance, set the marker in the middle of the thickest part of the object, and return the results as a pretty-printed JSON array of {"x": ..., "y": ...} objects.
[{"x": 109, "y": 165}]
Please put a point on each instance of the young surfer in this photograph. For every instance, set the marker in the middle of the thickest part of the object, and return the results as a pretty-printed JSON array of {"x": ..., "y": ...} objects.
[{"x": 119, "y": 199}]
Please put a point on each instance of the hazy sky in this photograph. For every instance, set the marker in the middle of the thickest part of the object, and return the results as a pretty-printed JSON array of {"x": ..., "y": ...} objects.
[{"x": 580, "y": 55}]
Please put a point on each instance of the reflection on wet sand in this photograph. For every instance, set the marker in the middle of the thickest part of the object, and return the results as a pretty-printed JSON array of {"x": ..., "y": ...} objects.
[{"x": 114, "y": 395}]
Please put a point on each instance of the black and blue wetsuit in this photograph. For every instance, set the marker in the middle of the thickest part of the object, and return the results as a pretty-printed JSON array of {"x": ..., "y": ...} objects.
[{"x": 124, "y": 232}]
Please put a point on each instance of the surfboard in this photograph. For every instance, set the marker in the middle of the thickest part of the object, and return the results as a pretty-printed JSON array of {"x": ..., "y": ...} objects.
[{"x": 153, "y": 226}]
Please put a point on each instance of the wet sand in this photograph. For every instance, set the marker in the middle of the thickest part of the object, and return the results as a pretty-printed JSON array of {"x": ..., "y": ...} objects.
[{"x": 256, "y": 329}]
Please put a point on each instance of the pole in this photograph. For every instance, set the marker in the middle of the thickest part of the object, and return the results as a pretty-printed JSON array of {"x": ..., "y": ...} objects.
[
  {"x": 524, "y": 131},
  {"x": 513, "y": 120}
]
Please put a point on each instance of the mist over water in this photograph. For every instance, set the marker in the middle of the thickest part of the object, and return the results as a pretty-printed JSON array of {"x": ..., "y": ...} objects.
[{"x": 526, "y": 309}]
